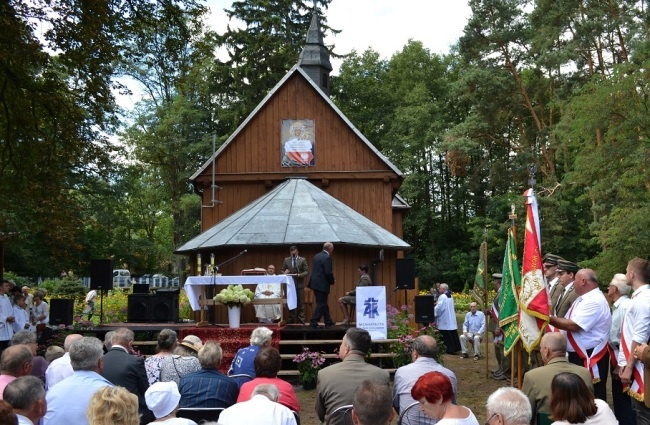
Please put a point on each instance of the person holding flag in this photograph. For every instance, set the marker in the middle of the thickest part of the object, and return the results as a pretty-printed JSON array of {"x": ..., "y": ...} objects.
[
  {"x": 503, "y": 362},
  {"x": 533, "y": 298},
  {"x": 587, "y": 327},
  {"x": 508, "y": 310}
]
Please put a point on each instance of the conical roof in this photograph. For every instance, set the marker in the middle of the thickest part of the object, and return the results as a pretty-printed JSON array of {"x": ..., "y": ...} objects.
[{"x": 295, "y": 212}]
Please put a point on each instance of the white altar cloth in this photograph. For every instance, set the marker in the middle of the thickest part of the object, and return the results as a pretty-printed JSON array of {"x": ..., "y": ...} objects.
[{"x": 194, "y": 284}]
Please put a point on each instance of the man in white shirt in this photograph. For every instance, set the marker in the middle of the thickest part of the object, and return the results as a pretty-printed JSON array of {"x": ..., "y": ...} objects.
[
  {"x": 635, "y": 332},
  {"x": 91, "y": 296},
  {"x": 61, "y": 368},
  {"x": 473, "y": 329},
  {"x": 423, "y": 360},
  {"x": 27, "y": 396},
  {"x": 68, "y": 401},
  {"x": 586, "y": 327},
  {"x": 617, "y": 292},
  {"x": 261, "y": 408},
  {"x": 41, "y": 311}
]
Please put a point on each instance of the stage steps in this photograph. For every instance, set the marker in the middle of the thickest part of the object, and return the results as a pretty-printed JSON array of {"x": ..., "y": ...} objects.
[
  {"x": 292, "y": 340},
  {"x": 327, "y": 341}
]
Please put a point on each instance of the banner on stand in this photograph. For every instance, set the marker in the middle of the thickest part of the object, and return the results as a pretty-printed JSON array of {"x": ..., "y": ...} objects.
[{"x": 371, "y": 310}]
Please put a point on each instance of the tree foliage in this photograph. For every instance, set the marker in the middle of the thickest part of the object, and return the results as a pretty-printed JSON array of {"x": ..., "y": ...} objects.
[
  {"x": 559, "y": 85},
  {"x": 262, "y": 42}
]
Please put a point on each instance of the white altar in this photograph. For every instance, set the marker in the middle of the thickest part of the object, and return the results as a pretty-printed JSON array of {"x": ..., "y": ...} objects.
[{"x": 195, "y": 288}]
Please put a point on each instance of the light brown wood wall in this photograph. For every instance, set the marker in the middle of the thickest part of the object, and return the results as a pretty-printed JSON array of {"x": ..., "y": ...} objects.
[
  {"x": 345, "y": 259},
  {"x": 345, "y": 167}
]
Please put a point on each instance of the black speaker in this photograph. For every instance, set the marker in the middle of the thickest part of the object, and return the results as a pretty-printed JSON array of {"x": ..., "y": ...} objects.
[
  {"x": 139, "y": 308},
  {"x": 140, "y": 288},
  {"x": 164, "y": 306},
  {"x": 405, "y": 273},
  {"x": 101, "y": 274},
  {"x": 424, "y": 309},
  {"x": 161, "y": 307},
  {"x": 61, "y": 311}
]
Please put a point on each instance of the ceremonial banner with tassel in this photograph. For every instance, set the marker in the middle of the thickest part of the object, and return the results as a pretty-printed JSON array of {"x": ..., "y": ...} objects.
[
  {"x": 479, "y": 292},
  {"x": 533, "y": 298},
  {"x": 508, "y": 304}
]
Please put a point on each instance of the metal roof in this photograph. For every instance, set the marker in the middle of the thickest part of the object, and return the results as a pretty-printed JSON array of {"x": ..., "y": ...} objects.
[
  {"x": 295, "y": 212},
  {"x": 295, "y": 69}
]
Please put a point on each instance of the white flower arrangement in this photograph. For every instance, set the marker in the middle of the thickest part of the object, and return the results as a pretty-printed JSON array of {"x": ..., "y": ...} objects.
[{"x": 234, "y": 296}]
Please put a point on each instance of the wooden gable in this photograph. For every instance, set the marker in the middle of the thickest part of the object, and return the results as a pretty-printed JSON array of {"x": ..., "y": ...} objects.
[{"x": 346, "y": 165}]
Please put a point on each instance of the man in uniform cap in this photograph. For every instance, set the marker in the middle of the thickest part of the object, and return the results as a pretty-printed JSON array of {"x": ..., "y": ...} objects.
[
  {"x": 567, "y": 272},
  {"x": 552, "y": 278}
]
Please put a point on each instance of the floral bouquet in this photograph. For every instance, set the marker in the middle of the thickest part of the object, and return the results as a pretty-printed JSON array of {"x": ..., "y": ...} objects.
[
  {"x": 309, "y": 363},
  {"x": 234, "y": 296}
]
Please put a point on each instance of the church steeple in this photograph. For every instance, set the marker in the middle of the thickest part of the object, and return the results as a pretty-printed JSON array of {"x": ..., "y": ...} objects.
[{"x": 315, "y": 58}]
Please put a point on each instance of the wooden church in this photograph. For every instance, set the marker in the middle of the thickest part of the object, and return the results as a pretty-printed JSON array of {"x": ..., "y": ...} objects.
[{"x": 298, "y": 172}]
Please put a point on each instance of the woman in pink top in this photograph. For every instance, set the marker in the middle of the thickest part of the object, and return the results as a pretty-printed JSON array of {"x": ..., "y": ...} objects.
[{"x": 267, "y": 365}]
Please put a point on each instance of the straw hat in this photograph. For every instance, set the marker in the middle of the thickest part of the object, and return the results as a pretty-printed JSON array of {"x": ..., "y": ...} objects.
[{"x": 192, "y": 342}]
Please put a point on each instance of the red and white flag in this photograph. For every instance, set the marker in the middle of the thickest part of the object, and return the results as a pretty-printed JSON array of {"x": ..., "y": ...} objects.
[{"x": 533, "y": 298}]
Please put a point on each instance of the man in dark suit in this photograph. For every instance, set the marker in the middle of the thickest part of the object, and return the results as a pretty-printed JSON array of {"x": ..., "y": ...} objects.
[
  {"x": 126, "y": 370},
  {"x": 296, "y": 266},
  {"x": 322, "y": 277}
]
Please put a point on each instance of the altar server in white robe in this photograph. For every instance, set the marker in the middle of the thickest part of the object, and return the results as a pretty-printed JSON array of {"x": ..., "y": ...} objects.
[{"x": 270, "y": 312}]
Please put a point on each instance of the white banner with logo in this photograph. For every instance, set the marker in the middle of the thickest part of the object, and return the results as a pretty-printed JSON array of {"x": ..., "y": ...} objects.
[{"x": 371, "y": 310}]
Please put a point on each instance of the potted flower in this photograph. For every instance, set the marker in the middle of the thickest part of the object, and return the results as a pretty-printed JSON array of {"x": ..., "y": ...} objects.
[
  {"x": 309, "y": 363},
  {"x": 234, "y": 296}
]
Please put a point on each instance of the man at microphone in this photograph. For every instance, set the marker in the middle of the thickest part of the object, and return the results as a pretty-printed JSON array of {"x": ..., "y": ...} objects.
[{"x": 296, "y": 266}]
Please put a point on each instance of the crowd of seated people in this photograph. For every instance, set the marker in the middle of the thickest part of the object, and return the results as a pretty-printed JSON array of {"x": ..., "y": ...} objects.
[{"x": 88, "y": 381}]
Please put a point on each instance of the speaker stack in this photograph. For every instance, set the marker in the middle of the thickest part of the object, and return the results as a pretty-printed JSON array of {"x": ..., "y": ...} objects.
[
  {"x": 405, "y": 273},
  {"x": 61, "y": 311},
  {"x": 101, "y": 274},
  {"x": 159, "y": 307},
  {"x": 424, "y": 309}
]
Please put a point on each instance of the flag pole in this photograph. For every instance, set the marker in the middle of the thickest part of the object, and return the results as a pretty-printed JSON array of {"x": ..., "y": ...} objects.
[
  {"x": 486, "y": 285},
  {"x": 516, "y": 359}
]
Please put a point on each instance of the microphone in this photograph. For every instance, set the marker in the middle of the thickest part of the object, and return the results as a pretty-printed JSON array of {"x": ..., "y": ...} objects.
[
  {"x": 243, "y": 252},
  {"x": 395, "y": 290}
]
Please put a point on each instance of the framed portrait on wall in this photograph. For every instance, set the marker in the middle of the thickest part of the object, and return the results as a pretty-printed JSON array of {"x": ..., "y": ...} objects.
[{"x": 297, "y": 143}]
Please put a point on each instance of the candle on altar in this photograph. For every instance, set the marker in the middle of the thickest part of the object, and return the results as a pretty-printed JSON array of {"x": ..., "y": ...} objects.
[{"x": 198, "y": 263}]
